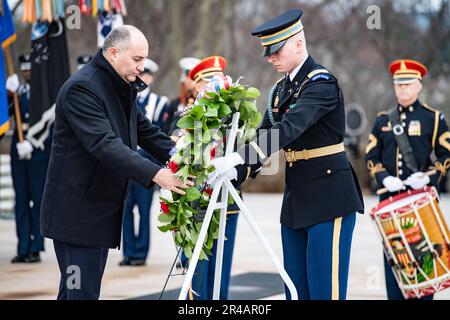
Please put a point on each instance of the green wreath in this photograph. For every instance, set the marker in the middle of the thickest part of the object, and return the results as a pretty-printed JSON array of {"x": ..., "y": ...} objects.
[{"x": 204, "y": 126}]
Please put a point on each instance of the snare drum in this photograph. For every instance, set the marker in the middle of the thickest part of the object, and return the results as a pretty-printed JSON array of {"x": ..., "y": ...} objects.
[{"x": 416, "y": 242}]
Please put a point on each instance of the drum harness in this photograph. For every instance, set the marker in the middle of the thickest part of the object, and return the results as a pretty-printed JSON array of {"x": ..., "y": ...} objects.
[{"x": 402, "y": 141}]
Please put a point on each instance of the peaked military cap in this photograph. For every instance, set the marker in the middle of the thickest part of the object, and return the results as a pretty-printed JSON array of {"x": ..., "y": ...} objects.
[
  {"x": 150, "y": 66},
  {"x": 186, "y": 64},
  {"x": 406, "y": 71},
  {"x": 276, "y": 32},
  {"x": 207, "y": 68},
  {"x": 25, "y": 62}
]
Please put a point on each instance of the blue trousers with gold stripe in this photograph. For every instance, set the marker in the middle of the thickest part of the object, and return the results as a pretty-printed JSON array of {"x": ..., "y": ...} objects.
[
  {"x": 317, "y": 258},
  {"x": 203, "y": 279}
]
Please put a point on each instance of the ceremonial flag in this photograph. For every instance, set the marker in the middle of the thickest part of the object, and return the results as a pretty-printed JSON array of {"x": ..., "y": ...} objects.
[
  {"x": 49, "y": 71},
  {"x": 7, "y": 36},
  {"x": 4, "y": 118},
  {"x": 107, "y": 21},
  {"x": 7, "y": 31}
]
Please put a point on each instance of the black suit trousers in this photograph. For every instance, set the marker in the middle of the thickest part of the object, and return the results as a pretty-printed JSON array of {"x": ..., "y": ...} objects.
[{"x": 81, "y": 270}]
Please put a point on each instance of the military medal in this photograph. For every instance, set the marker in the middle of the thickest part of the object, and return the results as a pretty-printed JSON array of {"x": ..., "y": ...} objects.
[
  {"x": 415, "y": 128},
  {"x": 277, "y": 100}
]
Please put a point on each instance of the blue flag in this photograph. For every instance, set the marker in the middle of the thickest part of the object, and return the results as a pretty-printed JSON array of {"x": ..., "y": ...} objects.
[
  {"x": 7, "y": 30},
  {"x": 7, "y": 36},
  {"x": 4, "y": 124}
]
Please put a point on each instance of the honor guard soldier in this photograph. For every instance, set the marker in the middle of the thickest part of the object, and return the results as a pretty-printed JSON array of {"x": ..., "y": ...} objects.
[
  {"x": 154, "y": 106},
  {"x": 203, "y": 280},
  {"x": 401, "y": 143},
  {"x": 306, "y": 118},
  {"x": 187, "y": 94},
  {"x": 136, "y": 245},
  {"x": 29, "y": 171}
]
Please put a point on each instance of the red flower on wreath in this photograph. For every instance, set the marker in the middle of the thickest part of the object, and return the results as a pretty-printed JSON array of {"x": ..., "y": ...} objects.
[
  {"x": 164, "y": 207},
  {"x": 209, "y": 191},
  {"x": 173, "y": 166}
]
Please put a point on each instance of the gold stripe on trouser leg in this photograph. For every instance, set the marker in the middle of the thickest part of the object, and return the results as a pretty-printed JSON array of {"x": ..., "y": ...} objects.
[
  {"x": 335, "y": 262},
  {"x": 191, "y": 296}
]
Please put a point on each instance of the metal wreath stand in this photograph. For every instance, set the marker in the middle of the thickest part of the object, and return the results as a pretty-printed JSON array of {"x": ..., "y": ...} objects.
[{"x": 224, "y": 185}]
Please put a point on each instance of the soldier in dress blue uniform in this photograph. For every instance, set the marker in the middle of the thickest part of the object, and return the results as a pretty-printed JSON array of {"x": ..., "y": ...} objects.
[
  {"x": 203, "y": 280},
  {"x": 306, "y": 119},
  {"x": 29, "y": 171},
  {"x": 426, "y": 130},
  {"x": 136, "y": 246}
]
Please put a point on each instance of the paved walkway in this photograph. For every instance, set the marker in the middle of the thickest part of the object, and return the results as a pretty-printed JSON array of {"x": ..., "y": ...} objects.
[{"x": 40, "y": 281}]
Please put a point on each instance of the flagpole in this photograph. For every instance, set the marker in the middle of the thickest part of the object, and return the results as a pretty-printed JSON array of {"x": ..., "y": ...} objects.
[{"x": 10, "y": 68}]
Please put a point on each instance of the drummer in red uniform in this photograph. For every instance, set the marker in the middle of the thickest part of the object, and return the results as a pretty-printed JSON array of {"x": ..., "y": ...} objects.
[{"x": 399, "y": 152}]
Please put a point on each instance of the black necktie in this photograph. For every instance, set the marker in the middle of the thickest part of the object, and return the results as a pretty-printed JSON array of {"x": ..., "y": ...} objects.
[
  {"x": 286, "y": 87},
  {"x": 288, "y": 82}
]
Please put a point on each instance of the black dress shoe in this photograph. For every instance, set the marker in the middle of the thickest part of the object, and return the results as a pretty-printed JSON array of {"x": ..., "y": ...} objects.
[
  {"x": 34, "y": 257},
  {"x": 124, "y": 262},
  {"x": 21, "y": 259},
  {"x": 137, "y": 262}
]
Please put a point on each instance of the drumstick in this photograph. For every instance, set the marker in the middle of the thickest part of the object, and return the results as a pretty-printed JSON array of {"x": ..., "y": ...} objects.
[{"x": 384, "y": 190}]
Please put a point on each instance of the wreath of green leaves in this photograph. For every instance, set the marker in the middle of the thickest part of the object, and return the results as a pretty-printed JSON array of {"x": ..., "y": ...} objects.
[{"x": 211, "y": 116}]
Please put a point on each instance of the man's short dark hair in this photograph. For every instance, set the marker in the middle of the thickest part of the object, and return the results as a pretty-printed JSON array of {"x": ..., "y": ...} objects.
[{"x": 117, "y": 38}]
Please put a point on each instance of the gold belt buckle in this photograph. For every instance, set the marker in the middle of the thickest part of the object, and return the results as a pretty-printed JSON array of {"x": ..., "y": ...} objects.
[
  {"x": 305, "y": 154},
  {"x": 290, "y": 157}
]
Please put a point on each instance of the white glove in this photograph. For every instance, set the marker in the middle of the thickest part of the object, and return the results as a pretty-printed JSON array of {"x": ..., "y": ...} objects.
[
  {"x": 24, "y": 149},
  {"x": 230, "y": 174},
  {"x": 393, "y": 184},
  {"x": 417, "y": 180},
  {"x": 12, "y": 83},
  {"x": 224, "y": 164}
]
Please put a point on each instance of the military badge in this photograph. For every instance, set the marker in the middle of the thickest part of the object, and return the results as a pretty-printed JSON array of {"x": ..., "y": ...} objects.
[
  {"x": 277, "y": 100},
  {"x": 415, "y": 128}
]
